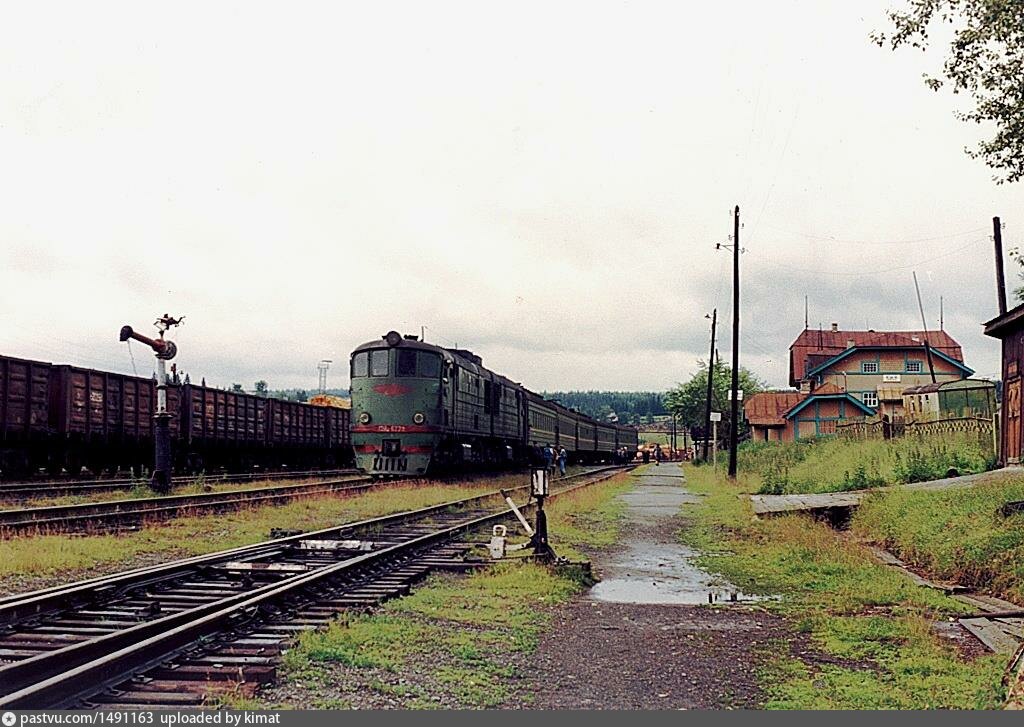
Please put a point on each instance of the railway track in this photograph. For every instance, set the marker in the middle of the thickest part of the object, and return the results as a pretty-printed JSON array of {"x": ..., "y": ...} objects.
[
  {"x": 24, "y": 490},
  {"x": 104, "y": 515},
  {"x": 169, "y": 635}
]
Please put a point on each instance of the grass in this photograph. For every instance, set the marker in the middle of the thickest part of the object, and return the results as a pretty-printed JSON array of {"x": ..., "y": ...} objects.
[
  {"x": 60, "y": 555},
  {"x": 459, "y": 636},
  {"x": 198, "y": 486},
  {"x": 831, "y": 464},
  {"x": 956, "y": 535},
  {"x": 874, "y": 623}
]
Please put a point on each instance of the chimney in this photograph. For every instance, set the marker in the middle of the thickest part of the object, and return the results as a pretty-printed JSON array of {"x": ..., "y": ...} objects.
[
  {"x": 805, "y": 386},
  {"x": 849, "y": 343},
  {"x": 835, "y": 327}
]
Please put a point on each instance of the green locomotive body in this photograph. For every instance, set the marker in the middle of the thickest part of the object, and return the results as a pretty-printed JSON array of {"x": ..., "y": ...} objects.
[{"x": 419, "y": 407}]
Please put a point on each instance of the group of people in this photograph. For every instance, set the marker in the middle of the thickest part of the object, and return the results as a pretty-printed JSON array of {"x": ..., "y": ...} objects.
[
  {"x": 551, "y": 457},
  {"x": 657, "y": 454}
]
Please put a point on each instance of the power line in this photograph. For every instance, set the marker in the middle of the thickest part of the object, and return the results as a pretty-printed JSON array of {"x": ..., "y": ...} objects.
[
  {"x": 878, "y": 270},
  {"x": 832, "y": 238}
]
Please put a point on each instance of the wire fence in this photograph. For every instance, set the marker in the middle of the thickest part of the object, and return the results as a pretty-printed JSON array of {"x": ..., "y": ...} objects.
[{"x": 880, "y": 428}]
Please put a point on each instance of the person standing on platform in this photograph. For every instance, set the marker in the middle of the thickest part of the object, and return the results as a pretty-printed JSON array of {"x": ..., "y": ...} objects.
[{"x": 562, "y": 457}]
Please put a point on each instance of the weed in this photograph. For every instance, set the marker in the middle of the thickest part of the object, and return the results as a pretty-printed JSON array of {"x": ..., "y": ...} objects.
[
  {"x": 871, "y": 618},
  {"x": 829, "y": 464}
]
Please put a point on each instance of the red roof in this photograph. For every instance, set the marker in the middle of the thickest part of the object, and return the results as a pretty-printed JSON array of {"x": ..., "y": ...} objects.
[
  {"x": 767, "y": 408},
  {"x": 813, "y": 347}
]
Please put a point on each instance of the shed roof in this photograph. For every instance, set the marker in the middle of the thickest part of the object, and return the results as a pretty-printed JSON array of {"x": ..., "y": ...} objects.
[
  {"x": 923, "y": 389},
  {"x": 948, "y": 385},
  {"x": 813, "y": 347},
  {"x": 1005, "y": 324},
  {"x": 766, "y": 409}
]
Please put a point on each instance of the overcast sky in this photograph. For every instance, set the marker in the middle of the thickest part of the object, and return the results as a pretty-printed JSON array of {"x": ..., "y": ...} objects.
[{"x": 541, "y": 182}]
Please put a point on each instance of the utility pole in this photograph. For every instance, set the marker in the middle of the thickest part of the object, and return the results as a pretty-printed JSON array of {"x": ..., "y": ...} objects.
[
  {"x": 927, "y": 348},
  {"x": 711, "y": 377},
  {"x": 997, "y": 236},
  {"x": 734, "y": 412}
]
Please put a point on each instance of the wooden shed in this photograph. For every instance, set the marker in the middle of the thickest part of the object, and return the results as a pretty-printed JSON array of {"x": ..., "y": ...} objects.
[{"x": 1009, "y": 328}]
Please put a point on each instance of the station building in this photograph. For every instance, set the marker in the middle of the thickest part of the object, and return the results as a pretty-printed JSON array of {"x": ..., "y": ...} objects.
[{"x": 838, "y": 375}]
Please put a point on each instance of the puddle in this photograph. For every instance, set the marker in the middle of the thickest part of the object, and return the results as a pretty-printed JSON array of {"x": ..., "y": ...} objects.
[{"x": 650, "y": 569}]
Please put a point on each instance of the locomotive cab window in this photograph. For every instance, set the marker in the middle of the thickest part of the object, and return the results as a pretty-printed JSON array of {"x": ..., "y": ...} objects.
[
  {"x": 429, "y": 364},
  {"x": 406, "y": 362},
  {"x": 360, "y": 364},
  {"x": 379, "y": 362}
]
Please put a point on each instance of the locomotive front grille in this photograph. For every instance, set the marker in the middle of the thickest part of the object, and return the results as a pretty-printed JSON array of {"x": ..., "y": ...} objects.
[{"x": 390, "y": 464}]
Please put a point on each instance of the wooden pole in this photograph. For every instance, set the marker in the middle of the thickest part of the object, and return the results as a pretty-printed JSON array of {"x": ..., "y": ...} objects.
[
  {"x": 711, "y": 378},
  {"x": 997, "y": 236},
  {"x": 734, "y": 424},
  {"x": 924, "y": 324}
]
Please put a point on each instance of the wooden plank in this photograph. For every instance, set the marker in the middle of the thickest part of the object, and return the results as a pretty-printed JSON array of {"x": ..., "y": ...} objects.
[
  {"x": 892, "y": 561},
  {"x": 991, "y": 635},
  {"x": 1012, "y": 626}
]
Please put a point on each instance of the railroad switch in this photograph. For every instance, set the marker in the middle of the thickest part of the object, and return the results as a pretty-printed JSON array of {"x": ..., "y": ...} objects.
[{"x": 540, "y": 487}]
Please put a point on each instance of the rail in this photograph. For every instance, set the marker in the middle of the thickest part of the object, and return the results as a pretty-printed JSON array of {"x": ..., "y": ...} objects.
[
  {"x": 64, "y": 676},
  {"x": 23, "y": 490}
]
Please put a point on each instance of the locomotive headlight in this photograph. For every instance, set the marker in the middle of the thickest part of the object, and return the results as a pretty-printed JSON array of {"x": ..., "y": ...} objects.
[
  {"x": 364, "y": 417},
  {"x": 418, "y": 418}
]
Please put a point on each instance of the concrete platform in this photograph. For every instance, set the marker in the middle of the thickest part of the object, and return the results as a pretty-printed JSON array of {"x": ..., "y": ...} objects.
[{"x": 781, "y": 504}]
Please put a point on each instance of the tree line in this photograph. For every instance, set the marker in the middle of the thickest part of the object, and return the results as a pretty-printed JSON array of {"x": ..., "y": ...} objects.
[{"x": 624, "y": 407}]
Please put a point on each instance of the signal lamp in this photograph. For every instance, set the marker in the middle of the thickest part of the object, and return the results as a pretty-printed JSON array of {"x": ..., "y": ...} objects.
[
  {"x": 418, "y": 418},
  {"x": 393, "y": 338},
  {"x": 364, "y": 417}
]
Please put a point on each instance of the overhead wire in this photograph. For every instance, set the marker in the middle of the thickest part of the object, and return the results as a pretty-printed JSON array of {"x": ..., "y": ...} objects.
[
  {"x": 875, "y": 271},
  {"x": 911, "y": 241}
]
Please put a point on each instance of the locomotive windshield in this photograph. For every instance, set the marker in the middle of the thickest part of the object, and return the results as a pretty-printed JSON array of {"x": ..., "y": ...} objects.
[
  {"x": 423, "y": 364},
  {"x": 379, "y": 362},
  {"x": 429, "y": 364},
  {"x": 360, "y": 364},
  {"x": 407, "y": 363}
]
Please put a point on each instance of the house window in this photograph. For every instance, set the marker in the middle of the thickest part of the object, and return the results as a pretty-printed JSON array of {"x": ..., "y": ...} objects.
[
  {"x": 869, "y": 367},
  {"x": 871, "y": 399},
  {"x": 914, "y": 367}
]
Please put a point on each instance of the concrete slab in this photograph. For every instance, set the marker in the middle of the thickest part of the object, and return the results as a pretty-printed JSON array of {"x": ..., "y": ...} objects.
[
  {"x": 778, "y": 504},
  {"x": 653, "y": 567}
]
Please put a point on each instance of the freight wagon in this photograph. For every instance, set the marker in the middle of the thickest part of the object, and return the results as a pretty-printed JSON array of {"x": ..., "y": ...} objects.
[{"x": 61, "y": 418}]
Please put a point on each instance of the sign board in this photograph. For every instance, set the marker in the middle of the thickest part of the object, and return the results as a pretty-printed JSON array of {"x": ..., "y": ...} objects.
[
  {"x": 739, "y": 394},
  {"x": 716, "y": 416},
  {"x": 891, "y": 378}
]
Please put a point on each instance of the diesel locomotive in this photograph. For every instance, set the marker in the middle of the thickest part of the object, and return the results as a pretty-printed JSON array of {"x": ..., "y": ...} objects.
[{"x": 417, "y": 407}]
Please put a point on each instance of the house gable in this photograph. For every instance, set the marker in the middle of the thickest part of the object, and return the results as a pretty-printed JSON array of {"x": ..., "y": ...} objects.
[{"x": 908, "y": 354}]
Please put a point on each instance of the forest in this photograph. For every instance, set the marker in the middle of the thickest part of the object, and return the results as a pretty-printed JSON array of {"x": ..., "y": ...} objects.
[{"x": 625, "y": 407}]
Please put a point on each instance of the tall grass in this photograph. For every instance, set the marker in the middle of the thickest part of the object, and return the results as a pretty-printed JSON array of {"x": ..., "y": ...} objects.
[
  {"x": 869, "y": 626},
  {"x": 956, "y": 535},
  {"x": 835, "y": 464}
]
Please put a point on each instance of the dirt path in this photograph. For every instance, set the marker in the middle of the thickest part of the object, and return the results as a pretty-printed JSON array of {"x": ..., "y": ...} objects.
[{"x": 639, "y": 640}]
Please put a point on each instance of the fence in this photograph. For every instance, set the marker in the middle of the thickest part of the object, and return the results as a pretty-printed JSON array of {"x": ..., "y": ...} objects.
[{"x": 878, "y": 428}]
